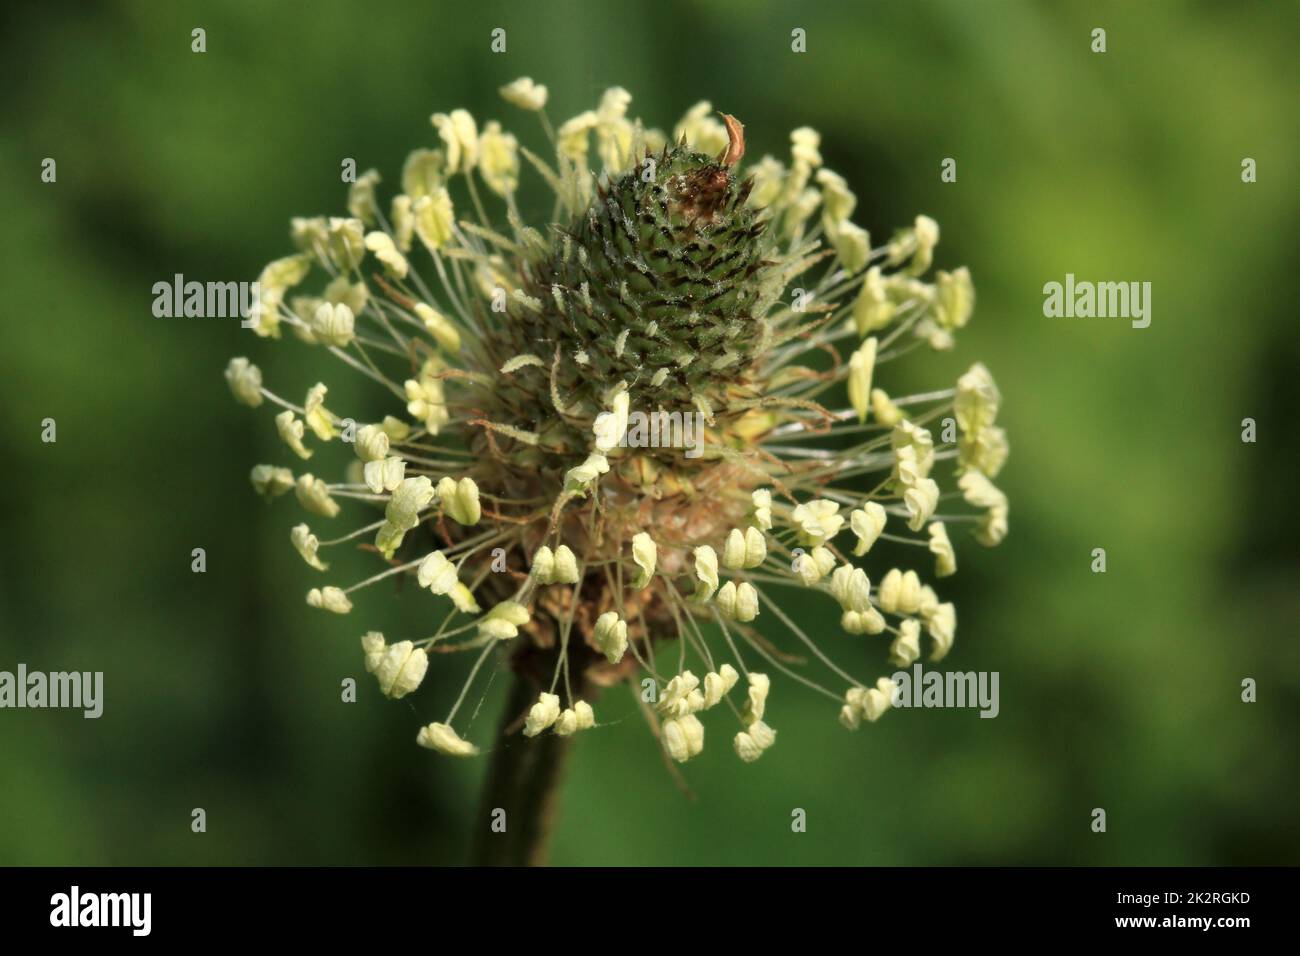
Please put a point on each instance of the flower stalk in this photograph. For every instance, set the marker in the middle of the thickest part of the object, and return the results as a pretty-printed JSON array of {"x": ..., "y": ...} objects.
[{"x": 525, "y": 778}]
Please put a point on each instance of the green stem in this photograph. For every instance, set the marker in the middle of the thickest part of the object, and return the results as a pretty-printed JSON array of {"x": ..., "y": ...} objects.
[{"x": 524, "y": 780}]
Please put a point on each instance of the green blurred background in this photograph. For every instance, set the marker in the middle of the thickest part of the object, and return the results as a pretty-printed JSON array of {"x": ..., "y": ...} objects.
[{"x": 1119, "y": 691}]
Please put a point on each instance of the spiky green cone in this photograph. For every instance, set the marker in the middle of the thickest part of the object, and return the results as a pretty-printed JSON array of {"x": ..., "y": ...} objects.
[{"x": 663, "y": 283}]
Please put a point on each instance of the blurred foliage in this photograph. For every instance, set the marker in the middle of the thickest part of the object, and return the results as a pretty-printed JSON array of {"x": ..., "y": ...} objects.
[{"x": 1118, "y": 691}]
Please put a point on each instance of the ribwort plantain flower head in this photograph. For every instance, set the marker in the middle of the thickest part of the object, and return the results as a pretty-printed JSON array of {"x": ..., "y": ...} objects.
[{"x": 611, "y": 444}]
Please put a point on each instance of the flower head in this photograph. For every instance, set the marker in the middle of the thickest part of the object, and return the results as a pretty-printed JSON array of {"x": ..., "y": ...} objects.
[{"x": 643, "y": 422}]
